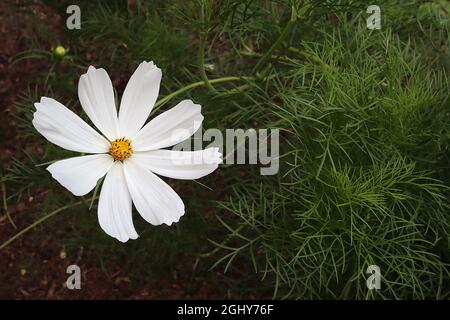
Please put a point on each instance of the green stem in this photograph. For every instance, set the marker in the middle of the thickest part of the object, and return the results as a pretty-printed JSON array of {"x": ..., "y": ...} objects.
[
  {"x": 39, "y": 221},
  {"x": 305, "y": 54},
  {"x": 253, "y": 54},
  {"x": 247, "y": 85},
  {"x": 280, "y": 39},
  {"x": 5, "y": 206},
  {"x": 201, "y": 63},
  {"x": 162, "y": 101}
]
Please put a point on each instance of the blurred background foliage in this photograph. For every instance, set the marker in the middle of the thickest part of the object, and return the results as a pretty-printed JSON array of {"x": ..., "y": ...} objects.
[{"x": 364, "y": 147}]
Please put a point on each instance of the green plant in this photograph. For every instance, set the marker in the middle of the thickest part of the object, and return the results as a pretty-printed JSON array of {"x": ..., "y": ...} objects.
[{"x": 364, "y": 152}]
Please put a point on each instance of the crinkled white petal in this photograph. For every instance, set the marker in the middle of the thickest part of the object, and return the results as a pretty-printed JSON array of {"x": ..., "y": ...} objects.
[
  {"x": 154, "y": 199},
  {"x": 80, "y": 174},
  {"x": 96, "y": 95},
  {"x": 64, "y": 128},
  {"x": 170, "y": 127},
  {"x": 114, "y": 207},
  {"x": 180, "y": 164},
  {"x": 139, "y": 98}
]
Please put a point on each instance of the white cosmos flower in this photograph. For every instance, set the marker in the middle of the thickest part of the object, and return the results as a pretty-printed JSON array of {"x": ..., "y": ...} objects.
[{"x": 129, "y": 153}]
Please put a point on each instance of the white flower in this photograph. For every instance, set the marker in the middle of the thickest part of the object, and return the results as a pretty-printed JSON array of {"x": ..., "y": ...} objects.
[{"x": 129, "y": 152}]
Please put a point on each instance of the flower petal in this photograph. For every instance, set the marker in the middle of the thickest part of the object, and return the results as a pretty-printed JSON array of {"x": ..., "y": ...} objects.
[
  {"x": 114, "y": 207},
  {"x": 64, "y": 128},
  {"x": 180, "y": 164},
  {"x": 170, "y": 127},
  {"x": 139, "y": 98},
  {"x": 80, "y": 174},
  {"x": 96, "y": 95},
  {"x": 154, "y": 199}
]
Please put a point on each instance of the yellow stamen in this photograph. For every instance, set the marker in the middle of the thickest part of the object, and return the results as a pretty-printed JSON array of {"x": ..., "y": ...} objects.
[{"x": 121, "y": 149}]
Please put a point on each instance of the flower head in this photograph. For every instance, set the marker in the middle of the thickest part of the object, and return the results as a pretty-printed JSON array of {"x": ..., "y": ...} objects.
[{"x": 129, "y": 152}]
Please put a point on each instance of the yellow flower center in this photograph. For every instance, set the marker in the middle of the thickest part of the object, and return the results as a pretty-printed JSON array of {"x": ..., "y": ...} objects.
[{"x": 121, "y": 149}]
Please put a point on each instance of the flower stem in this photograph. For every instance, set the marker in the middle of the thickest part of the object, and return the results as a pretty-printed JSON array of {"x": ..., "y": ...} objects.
[
  {"x": 39, "y": 221},
  {"x": 253, "y": 54},
  {"x": 287, "y": 29},
  {"x": 5, "y": 206},
  {"x": 162, "y": 101},
  {"x": 201, "y": 62}
]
